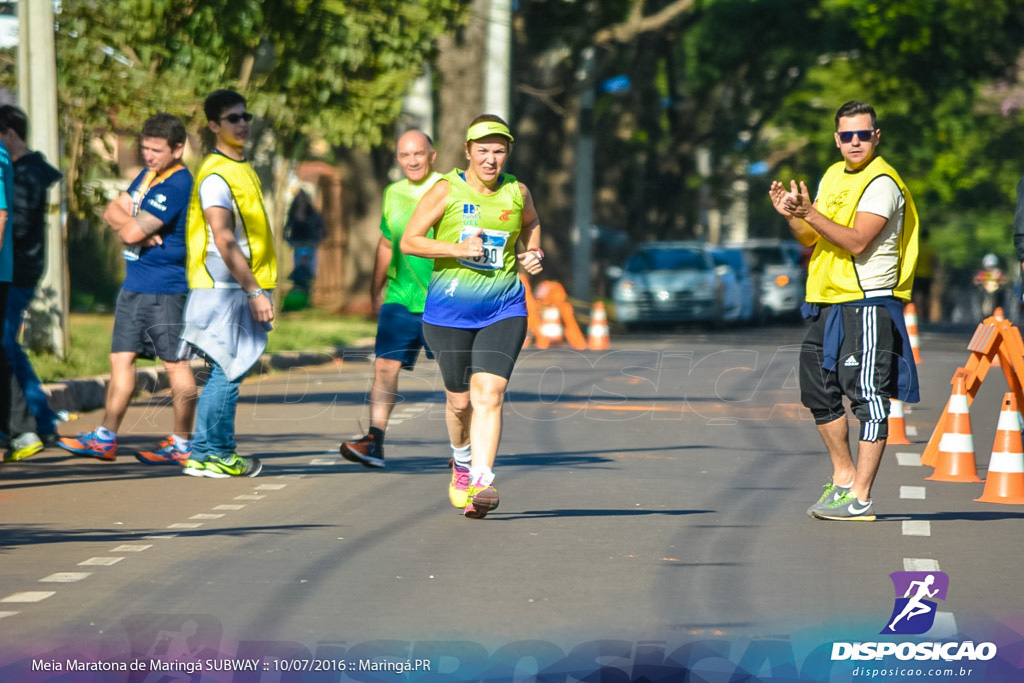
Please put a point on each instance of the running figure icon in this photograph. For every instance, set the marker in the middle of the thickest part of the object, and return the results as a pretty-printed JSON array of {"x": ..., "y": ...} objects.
[
  {"x": 916, "y": 595},
  {"x": 915, "y": 607}
]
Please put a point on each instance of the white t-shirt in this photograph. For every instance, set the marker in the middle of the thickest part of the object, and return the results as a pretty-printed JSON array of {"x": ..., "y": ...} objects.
[
  {"x": 214, "y": 191},
  {"x": 878, "y": 266}
]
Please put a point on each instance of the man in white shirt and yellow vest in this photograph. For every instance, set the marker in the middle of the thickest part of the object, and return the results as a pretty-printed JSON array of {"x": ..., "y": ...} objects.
[
  {"x": 864, "y": 228},
  {"x": 231, "y": 266}
]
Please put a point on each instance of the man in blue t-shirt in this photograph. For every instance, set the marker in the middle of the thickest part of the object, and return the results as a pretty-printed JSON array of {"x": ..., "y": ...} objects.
[
  {"x": 6, "y": 272},
  {"x": 150, "y": 219}
]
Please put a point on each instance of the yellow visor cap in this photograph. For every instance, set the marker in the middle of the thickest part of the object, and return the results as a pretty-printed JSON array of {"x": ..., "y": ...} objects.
[{"x": 485, "y": 128}]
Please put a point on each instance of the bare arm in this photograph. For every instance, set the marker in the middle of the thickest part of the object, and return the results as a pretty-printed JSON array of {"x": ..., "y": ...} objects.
[
  {"x": 380, "y": 272},
  {"x": 222, "y": 224},
  {"x": 428, "y": 212},
  {"x": 131, "y": 229},
  {"x": 3, "y": 224},
  {"x": 529, "y": 235},
  {"x": 866, "y": 226}
]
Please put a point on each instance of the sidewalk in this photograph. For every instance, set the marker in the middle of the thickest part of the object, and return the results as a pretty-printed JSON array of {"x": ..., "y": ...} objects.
[{"x": 89, "y": 393}]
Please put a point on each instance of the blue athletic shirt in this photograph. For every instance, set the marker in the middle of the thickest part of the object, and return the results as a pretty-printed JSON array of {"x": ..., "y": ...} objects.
[
  {"x": 7, "y": 204},
  {"x": 161, "y": 269}
]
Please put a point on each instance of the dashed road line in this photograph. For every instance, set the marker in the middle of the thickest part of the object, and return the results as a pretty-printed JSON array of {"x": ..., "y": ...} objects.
[
  {"x": 65, "y": 577},
  {"x": 912, "y": 492},
  {"x": 918, "y": 564},
  {"x": 908, "y": 459},
  {"x": 29, "y": 596},
  {"x": 100, "y": 561},
  {"x": 916, "y": 527},
  {"x": 106, "y": 561}
]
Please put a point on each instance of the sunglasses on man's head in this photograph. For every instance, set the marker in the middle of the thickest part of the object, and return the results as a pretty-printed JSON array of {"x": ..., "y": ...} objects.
[
  {"x": 235, "y": 118},
  {"x": 847, "y": 135}
]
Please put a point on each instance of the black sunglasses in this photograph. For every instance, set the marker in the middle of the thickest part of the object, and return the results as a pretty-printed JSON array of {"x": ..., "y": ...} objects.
[
  {"x": 847, "y": 135},
  {"x": 235, "y": 118}
]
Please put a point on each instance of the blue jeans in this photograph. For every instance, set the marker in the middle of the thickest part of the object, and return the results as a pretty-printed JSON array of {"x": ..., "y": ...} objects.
[
  {"x": 215, "y": 416},
  {"x": 18, "y": 299}
]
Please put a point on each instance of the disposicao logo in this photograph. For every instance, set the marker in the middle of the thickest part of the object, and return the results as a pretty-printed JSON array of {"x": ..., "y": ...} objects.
[
  {"x": 914, "y": 614},
  {"x": 915, "y": 608}
]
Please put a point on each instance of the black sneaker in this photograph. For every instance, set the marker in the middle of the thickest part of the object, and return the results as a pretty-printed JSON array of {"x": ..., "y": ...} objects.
[{"x": 367, "y": 451}]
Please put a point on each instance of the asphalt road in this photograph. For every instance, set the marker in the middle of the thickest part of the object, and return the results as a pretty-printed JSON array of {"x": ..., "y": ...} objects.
[{"x": 651, "y": 522}]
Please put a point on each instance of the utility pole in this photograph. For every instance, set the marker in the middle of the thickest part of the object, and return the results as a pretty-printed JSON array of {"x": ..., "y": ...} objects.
[
  {"x": 37, "y": 95},
  {"x": 497, "y": 88},
  {"x": 582, "y": 229}
]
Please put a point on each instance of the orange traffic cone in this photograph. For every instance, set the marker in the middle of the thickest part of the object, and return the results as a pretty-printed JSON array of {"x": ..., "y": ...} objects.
[
  {"x": 597, "y": 333},
  {"x": 1005, "y": 480},
  {"x": 910, "y": 320},
  {"x": 897, "y": 425},
  {"x": 955, "y": 459},
  {"x": 551, "y": 330}
]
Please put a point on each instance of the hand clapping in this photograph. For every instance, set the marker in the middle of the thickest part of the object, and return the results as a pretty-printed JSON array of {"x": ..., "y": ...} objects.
[{"x": 794, "y": 202}]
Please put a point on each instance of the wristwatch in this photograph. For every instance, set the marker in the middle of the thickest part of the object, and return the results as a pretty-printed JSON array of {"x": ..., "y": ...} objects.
[{"x": 254, "y": 294}]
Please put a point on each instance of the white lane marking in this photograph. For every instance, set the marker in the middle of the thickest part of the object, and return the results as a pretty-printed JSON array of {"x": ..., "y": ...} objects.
[
  {"x": 325, "y": 461},
  {"x": 29, "y": 596},
  {"x": 65, "y": 577},
  {"x": 908, "y": 459},
  {"x": 916, "y": 527},
  {"x": 249, "y": 496},
  {"x": 943, "y": 628},
  {"x": 206, "y": 515},
  {"x": 918, "y": 564},
  {"x": 911, "y": 430},
  {"x": 185, "y": 525},
  {"x": 229, "y": 507},
  {"x": 155, "y": 536},
  {"x": 912, "y": 492},
  {"x": 270, "y": 487},
  {"x": 100, "y": 561},
  {"x": 131, "y": 548},
  {"x": 7, "y": 614}
]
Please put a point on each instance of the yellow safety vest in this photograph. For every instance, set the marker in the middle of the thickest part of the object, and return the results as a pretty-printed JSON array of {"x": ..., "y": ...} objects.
[{"x": 248, "y": 196}]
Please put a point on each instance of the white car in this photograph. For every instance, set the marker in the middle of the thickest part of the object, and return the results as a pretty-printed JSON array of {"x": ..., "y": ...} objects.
[
  {"x": 670, "y": 282},
  {"x": 777, "y": 263}
]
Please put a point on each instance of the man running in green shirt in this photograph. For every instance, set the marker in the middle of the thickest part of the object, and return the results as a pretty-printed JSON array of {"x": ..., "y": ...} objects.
[{"x": 400, "y": 310}]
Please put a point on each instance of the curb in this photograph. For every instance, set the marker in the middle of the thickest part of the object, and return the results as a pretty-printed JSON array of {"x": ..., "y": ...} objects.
[{"x": 89, "y": 393}]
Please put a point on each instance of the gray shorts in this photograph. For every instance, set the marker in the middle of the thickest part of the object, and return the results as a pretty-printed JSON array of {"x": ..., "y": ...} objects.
[{"x": 148, "y": 325}]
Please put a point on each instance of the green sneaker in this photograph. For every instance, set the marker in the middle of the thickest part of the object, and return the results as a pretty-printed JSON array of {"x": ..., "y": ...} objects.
[
  {"x": 223, "y": 468},
  {"x": 847, "y": 508},
  {"x": 831, "y": 493}
]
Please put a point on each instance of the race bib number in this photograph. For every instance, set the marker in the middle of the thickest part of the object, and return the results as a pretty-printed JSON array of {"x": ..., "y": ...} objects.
[{"x": 494, "y": 249}]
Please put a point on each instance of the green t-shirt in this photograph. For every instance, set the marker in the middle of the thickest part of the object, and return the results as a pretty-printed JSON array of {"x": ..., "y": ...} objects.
[{"x": 408, "y": 276}]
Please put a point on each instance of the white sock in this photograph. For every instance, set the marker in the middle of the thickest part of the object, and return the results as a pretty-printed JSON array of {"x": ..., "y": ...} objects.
[
  {"x": 181, "y": 443},
  {"x": 105, "y": 433},
  {"x": 481, "y": 476},
  {"x": 463, "y": 456}
]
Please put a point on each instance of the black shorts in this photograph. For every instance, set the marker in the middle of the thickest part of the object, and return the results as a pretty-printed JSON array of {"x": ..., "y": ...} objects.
[
  {"x": 148, "y": 325},
  {"x": 460, "y": 352},
  {"x": 865, "y": 372}
]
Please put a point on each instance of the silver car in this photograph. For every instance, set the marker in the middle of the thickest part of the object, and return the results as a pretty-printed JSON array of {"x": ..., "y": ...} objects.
[
  {"x": 778, "y": 265},
  {"x": 673, "y": 282}
]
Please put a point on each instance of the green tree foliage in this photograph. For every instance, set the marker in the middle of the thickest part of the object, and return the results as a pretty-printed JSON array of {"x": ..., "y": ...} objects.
[
  {"x": 720, "y": 84},
  {"x": 311, "y": 69}
]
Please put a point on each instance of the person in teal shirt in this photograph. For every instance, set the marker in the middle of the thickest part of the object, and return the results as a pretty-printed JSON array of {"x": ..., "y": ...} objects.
[
  {"x": 474, "y": 317},
  {"x": 399, "y": 305}
]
